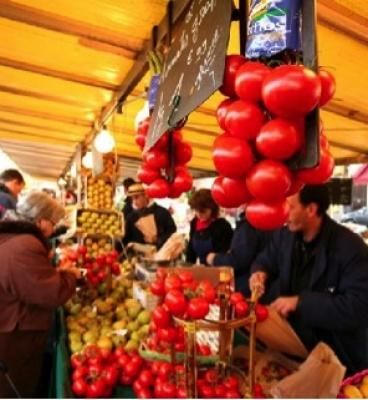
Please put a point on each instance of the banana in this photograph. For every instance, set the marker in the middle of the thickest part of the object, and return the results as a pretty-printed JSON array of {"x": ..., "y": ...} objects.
[
  {"x": 352, "y": 392},
  {"x": 364, "y": 389}
]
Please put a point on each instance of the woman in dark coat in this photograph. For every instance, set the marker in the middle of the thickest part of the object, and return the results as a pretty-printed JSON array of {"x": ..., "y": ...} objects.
[
  {"x": 208, "y": 232},
  {"x": 30, "y": 290}
]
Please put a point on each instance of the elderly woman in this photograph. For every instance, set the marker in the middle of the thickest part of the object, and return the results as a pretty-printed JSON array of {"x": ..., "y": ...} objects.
[
  {"x": 30, "y": 290},
  {"x": 208, "y": 232}
]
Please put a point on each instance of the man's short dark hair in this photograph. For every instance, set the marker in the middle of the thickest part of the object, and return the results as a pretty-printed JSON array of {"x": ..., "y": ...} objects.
[
  {"x": 11, "y": 175},
  {"x": 317, "y": 194},
  {"x": 127, "y": 182}
]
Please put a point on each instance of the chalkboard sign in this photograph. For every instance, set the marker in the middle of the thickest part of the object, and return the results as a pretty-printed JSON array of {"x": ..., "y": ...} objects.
[
  {"x": 340, "y": 191},
  {"x": 194, "y": 66}
]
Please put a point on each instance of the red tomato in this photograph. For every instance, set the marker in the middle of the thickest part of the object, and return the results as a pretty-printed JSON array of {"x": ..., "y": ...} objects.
[
  {"x": 126, "y": 380},
  {"x": 290, "y": 91},
  {"x": 230, "y": 193},
  {"x": 207, "y": 291},
  {"x": 167, "y": 335},
  {"x": 131, "y": 369},
  {"x": 96, "y": 389},
  {"x": 266, "y": 216},
  {"x": 206, "y": 391},
  {"x": 278, "y": 140},
  {"x": 166, "y": 370},
  {"x": 232, "y": 63},
  {"x": 161, "y": 317},
  {"x": 319, "y": 174},
  {"x": 79, "y": 373},
  {"x": 198, "y": 308},
  {"x": 211, "y": 376},
  {"x": 204, "y": 350},
  {"x": 180, "y": 347},
  {"x": 231, "y": 382},
  {"x": 77, "y": 360},
  {"x": 244, "y": 119},
  {"x": 156, "y": 365},
  {"x": 146, "y": 377},
  {"x": 156, "y": 159},
  {"x": 115, "y": 269},
  {"x": 233, "y": 394},
  {"x": 168, "y": 390},
  {"x": 186, "y": 276},
  {"x": 111, "y": 375},
  {"x": 172, "y": 282},
  {"x": 80, "y": 387},
  {"x": 161, "y": 274},
  {"x": 241, "y": 309},
  {"x": 261, "y": 312},
  {"x": 176, "y": 302},
  {"x": 232, "y": 156},
  {"x": 181, "y": 393},
  {"x": 183, "y": 153},
  {"x": 220, "y": 391},
  {"x": 221, "y": 112},
  {"x": 328, "y": 87},
  {"x": 144, "y": 393},
  {"x": 249, "y": 80},
  {"x": 82, "y": 250},
  {"x": 158, "y": 189},
  {"x": 236, "y": 297},
  {"x": 269, "y": 181},
  {"x": 123, "y": 359},
  {"x": 147, "y": 175},
  {"x": 137, "y": 386},
  {"x": 158, "y": 287}
]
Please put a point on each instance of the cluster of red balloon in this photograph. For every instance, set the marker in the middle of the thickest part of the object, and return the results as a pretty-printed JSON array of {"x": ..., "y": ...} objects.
[
  {"x": 154, "y": 169},
  {"x": 263, "y": 121}
]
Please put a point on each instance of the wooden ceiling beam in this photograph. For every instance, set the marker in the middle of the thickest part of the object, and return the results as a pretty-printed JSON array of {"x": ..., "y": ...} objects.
[
  {"x": 41, "y": 153},
  {"x": 9, "y": 134},
  {"x": 36, "y": 134},
  {"x": 66, "y": 76},
  {"x": 46, "y": 115},
  {"x": 348, "y": 147},
  {"x": 57, "y": 23}
]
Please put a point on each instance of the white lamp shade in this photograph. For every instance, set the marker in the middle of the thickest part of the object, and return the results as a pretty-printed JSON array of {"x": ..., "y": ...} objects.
[
  {"x": 87, "y": 160},
  {"x": 104, "y": 141}
]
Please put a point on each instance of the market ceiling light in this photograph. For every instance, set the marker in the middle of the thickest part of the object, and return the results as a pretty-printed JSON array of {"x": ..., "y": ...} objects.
[
  {"x": 61, "y": 181},
  {"x": 104, "y": 142},
  {"x": 87, "y": 160}
]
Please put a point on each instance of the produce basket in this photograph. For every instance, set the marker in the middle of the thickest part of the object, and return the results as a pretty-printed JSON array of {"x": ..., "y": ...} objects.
[{"x": 357, "y": 382}]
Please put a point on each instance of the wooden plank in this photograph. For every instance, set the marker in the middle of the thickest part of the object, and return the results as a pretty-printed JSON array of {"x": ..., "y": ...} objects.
[
  {"x": 50, "y": 21},
  {"x": 18, "y": 134},
  {"x": 38, "y": 69}
]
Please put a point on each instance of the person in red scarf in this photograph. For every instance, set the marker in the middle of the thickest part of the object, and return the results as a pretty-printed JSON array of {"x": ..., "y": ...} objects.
[{"x": 208, "y": 232}]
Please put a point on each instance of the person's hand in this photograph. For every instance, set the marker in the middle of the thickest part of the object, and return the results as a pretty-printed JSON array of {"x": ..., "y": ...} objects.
[
  {"x": 257, "y": 282},
  {"x": 285, "y": 305},
  {"x": 73, "y": 270},
  {"x": 210, "y": 258}
]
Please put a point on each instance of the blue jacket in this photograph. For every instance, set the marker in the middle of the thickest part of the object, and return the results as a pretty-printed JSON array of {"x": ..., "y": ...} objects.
[
  {"x": 247, "y": 242},
  {"x": 7, "y": 200},
  {"x": 335, "y": 305}
]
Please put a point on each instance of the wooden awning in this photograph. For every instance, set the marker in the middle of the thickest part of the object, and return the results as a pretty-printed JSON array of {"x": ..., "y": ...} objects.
[{"x": 65, "y": 64}]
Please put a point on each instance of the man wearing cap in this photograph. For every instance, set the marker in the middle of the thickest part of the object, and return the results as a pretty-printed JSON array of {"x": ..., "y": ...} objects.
[
  {"x": 149, "y": 223},
  {"x": 11, "y": 184}
]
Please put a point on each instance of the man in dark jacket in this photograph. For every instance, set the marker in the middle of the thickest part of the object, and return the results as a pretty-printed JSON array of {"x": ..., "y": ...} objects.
[
  {"x": 128, "y": 206},
  {"x": 319, "y": 271},
  {"x": 246, "y": 244},
  {"x": 148, "y": 223},
  {"x": 11, "y": 184}
]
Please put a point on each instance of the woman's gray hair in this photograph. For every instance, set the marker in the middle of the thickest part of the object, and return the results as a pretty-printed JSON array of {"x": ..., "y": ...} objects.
[{"x": 38, "y": 205}]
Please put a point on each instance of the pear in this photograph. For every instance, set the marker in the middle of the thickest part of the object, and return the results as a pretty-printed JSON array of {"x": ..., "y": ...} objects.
[
  {"x": 135, "y": 336},
  {"x": 132, "y": 326},
  {"x": 144, "y": 317},
  {"x": 105, "y": 343},
  {"x": 133, "y": 311},
  {"x": 131, "y": 345},
  {"x": 76, "y": 347},
  {"x": 74, "y": 336},
  {"x": 119, "y": 325},
  {"x": 90, "y": 337}
]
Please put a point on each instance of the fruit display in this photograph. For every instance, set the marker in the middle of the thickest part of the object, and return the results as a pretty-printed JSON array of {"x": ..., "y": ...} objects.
[
  {"x": 110, "y": 166},
  {"x": 355, "y": 387},
  {"x": 98, "y": 245},
  {"x": 263, "y": 124},
  {"x": 100, "y": 193},
  {"x": 105, "y": 222}
]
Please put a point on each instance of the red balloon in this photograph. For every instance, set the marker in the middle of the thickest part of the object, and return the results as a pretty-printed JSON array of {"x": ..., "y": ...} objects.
[
  {"x": 232, "y": 156},
  {"x": 249, "y": 80},
  {"x": 296, "y": 186},
  {"x": 319, "y": 174},
  {"x": 140, "y": 140},
  {"x": 323, "y": 141},
  {"x": 161, "y": 144},
  {"x": 244, "y": 119},
  {"x": 267, "y": 216},
  {"x": 328, "y": 87},
  {"x": 147, "y": 175},
  {"x": 230, "y": 193},
  {"x": 158, "y": 189},
  {"x": 143, "y": 126},
  {"x": 232, "y": 63},
  {"x": 156, "y": 159},
  {"x": 183, "y": 153},
  {"x": 269, "y": 181},
  {"x": 291, "y": 91},
  {"x": 279, "y": 139},
  {"x": 183, "y": 182},
  {"x": 222, "y": 111}
]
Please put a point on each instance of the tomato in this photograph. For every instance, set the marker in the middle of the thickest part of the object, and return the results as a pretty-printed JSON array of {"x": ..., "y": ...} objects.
[
  {"x": 158, "y": 189},
  {"x": 220, "y": 391},
  {"x": 144, "y": 393},
  {"x": 261, "y": 312},
  {"x": 296, "y": 186},
  {"x": 96, "y": 389},
  {"x": 176, "y": 302},
  {"x": 131, "y": 369},
  {"x": 206, "y": 391},
  {"x": 207, "y": 291},
  {"x": 183, "y": 182},
  {"x": 77, "y": 360},
  {"x": 136, "y": 359},
  {"x": 181, "y": 393},
  {"x": 123, "y": 359},
  {"x": 146, "y": 378},
  {"x": 179, "y": 347},
  {"x": 241, "y": 309},
  {"x": 258, "y": 391},
  {"x": 82, "y": 250},
  {"x": 93, "y": 354},
  {"x": 158, "y": 287},
  {"x": 80, "y": 387},
  {"x": 137, "y": 386},
  {"x": 232, "y": 156},
  {"x": 166, "y": 370},
  {"x": 146, "y": 174},
  {"x": 211, "y": 376},
  {"x": 279, "y": 140},
  {"x": 167, "y": 335},
  {"x": 230, "y": 193},
  {"x": 80, "y": 372},
  {"x": 236, "y": 297},
  {"x": 172, "y": 282},
  {"x": 155, "y": 366},
  {"x": 111, "y": 375},
  {"x": 161, "y": 274},
  {"x": 328, "y": 87},
  {"x": 231, "y": 382},
  {"x": 115, "y": 269},
  {"x": 198, "y": 308},
  {"x": 269, "y": 181},
  {"x": 156, "y": 159},
  {"x": 244, "y": 119},
  {"x": 232, "y": 64},
  {"x": 204, "y": 350},
  {"x": 183, "y": 153},
  {"x": 249, "y": 80},
  {"x": 267, "y": 216},
  {"x": 168, "y": 390},
  {"x": 161, "y": 317},
  {"x": 126, "y": 380},
  {"x": 221, "y": 112},
  {"x": 319, "y": 174},
  {"x": 119, "y": 351},
  {"x": 186, "y": 276},
  {"x": 290, "y": 91},
  {"x": 233, "y": 394}
]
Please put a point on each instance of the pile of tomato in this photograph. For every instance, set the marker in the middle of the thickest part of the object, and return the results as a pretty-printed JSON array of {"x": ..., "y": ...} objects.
[
  {"x": 263, "y": 120},
  {"x": 156, "y": 162}
]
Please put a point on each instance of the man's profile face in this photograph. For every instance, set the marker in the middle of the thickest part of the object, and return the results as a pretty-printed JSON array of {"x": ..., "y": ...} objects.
[
  {"x": 298, "y": 217},
  {"x": 15, "y": 187},
  {"x": 139, "y": 201}
]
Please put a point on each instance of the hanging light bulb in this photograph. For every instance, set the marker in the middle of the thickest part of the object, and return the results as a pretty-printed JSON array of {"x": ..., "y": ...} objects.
[
  {"x": 104, "y": 142},
  {"x": 87, "y": 160}
]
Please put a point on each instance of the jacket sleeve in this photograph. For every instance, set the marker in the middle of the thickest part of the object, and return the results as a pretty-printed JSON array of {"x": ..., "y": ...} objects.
[
  {"x": 34, "y": 281},
  {"x": 191, "y": 256},
  {"x": 167, "y": 227},
  {"x": 222, "y": 236},
  {"x": 346, "y": 310}
]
